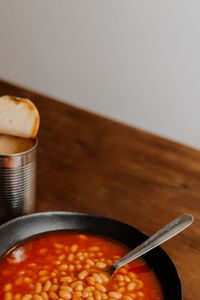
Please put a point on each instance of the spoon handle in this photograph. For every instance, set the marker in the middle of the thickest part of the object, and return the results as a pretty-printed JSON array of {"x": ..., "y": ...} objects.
[{"x": 158, "y": 238}]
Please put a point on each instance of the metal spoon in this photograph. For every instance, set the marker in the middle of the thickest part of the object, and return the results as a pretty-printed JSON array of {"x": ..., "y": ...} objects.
[{"x": 158, "y": 238}]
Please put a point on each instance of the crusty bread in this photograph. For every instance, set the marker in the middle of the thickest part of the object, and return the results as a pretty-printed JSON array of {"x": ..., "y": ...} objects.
[{"x": 18, "y": 117}]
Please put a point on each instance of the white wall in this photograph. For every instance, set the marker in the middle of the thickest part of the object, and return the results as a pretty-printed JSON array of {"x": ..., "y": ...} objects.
[{"x": 136, "y": 61}]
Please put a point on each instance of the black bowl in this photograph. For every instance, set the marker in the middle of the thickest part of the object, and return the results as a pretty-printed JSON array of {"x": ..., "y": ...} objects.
[{"x": 24, "y": 227}]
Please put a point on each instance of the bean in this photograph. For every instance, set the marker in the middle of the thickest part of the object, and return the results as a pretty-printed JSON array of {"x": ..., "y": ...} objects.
[
  {"x": 81, "y": 258},
  {"x": 100, "y": 287},
  {"x": 78, "y": 267},
  {"x": 71, "y": 268},
  {"x": 22, "y": 272},
  {"x": 38, "y": 288},
  {"x": 131, "y": 286},
  {"x": 27, "y": 280},
  {"x": 131, "y": 275},
  {"x": 70, "y": 257},
  {"x": 74, "y": 248},
  {"x": 66, "y": 279},
  {"x": 90, "y": 262},
  {"x": 101, "y": 265},
  {"x": 67, "y": 288},
  {"x": 104, "y": 277},
  {"x": 125, "y": 297},
  {"x": 123, "y": 271},
  {"x": 64, "y": 294},
  {"x": 100, "y": 254},
  {"x": 104, "y": 296},
  {"x": 63, "y": 267},
  {"x": 78, "y": 287},
  {"x": 132, "y": 295},
  {"x": 115, "y": 295},
  {"x": 17, "y": 296},
  {"x": 63, "y": 273},
  {"x": 89, "y": 288},
  {"x": 122, "y": 283},
  {"x": 47, "y": 286},
  {"x": 140, "y": 294},
  {"x": 121, "y": 289},
  {"x": 90, "y": 298},
  {"x": 43, "y": 250},
  {"x": 43, "y": 273},
  {"x": 139, "y": 284},
  {"x": 83, "y": 237},
  {"x": 73, "y": 285},
  {"x": 44, "y": 278},
  {"x": 58, "y": 246},
  {"x": 54, "y": 288},
  {"x": 61, "y": 257},
  {"x": 78, "y": 294},
  {"x": 86, "y": 294},
  {"x": 119, "y": 277},
  {"x": 53, "y": 295},
  {"x": 8, "y": 296},
  {"x": 109, "y": 262},
  {"x": 94, "y": 249},
  {"x": 90, "y": 280},
  {"x": 45, "y": 296},
  {"x": 57, "y": 262},
  {"x": 87, "y": 266},
  {"x": 97, "y": 295},
  {"x": 116, "y": 257},
  {"x": 97, "y": 278},
  {"x": 37, "y": 297},
  {"x": 127, "y": 279},
  {"x": 55, "y": 280},
  {"x": 32, "y": 265},
  {"x": 8, "y": 287},
  {"x": 27, "y": 297},
  {"x": 82, "y": 275}
]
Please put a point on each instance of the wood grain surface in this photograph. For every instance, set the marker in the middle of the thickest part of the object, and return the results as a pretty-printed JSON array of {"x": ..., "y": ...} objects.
[{"x": 92, "y": 164}]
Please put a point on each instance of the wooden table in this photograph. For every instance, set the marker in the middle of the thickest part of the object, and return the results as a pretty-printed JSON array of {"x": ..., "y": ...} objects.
[{"x": 92, "y": 164}]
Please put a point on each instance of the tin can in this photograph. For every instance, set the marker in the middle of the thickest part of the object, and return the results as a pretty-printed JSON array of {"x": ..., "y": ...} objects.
[{"x": 17, "y": 183}]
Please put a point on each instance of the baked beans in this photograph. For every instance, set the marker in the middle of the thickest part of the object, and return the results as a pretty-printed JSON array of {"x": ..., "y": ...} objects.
[{"x": 64, "y": 266}]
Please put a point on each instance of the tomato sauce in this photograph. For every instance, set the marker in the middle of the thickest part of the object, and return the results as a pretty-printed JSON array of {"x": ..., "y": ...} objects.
[{"x": 70, "y": 265}]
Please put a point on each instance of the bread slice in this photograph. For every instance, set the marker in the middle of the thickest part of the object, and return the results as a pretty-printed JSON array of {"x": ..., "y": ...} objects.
[{"x": 18, "y": 117}]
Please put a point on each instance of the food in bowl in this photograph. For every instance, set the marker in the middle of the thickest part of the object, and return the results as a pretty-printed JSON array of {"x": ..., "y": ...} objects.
[{"x": 69, "y": 265}]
